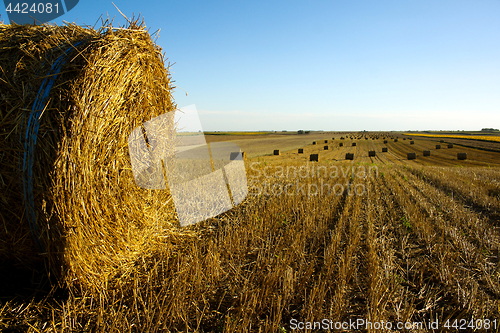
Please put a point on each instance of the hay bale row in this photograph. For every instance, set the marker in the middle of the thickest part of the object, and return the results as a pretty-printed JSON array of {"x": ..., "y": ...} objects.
[{"x": 74, "y": 95}]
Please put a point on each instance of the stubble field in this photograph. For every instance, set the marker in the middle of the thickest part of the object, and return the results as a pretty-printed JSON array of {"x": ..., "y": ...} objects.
[{"x": 375, "y": 240}]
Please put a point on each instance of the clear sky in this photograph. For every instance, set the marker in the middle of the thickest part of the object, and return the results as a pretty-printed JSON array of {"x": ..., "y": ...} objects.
[{"x": 326, "y": 65}]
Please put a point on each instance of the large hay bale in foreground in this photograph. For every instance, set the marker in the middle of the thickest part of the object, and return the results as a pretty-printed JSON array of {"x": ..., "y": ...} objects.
[{"x": 70, "y": 98}]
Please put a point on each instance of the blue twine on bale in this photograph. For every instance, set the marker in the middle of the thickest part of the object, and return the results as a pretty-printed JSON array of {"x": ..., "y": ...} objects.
[{"x": 30, "y": 143}]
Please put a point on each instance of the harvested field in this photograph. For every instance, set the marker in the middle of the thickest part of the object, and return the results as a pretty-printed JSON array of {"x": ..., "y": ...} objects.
[{"x": 379, "y": 237}]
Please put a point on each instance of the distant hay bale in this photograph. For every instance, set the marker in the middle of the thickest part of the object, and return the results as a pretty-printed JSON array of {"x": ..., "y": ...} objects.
[
  {"x": 385, "y": 141},
  {"x": 276, "y": 152},
  {"x": 314, "y": 142},
  {"x": 442, "y": 141},
  {"x": 427, "y": 153},
  {"x": 450, "y": 145},
  {"x": 412, "y": 142},
  {"x": 325, "y": 148},
  {"x": 438, "y": 146},
  {"x": 333, "y": 138},
  {"x": 354, "y": 144},
  {"x": 342, "y": 138},
  {"x": 70, "y": 98},
  {"x": 395, "y": 140},
  {"x": 301, "y": 151},
  {"x": 341, "y": 144},
  {"x": 404, "y": 138},
  {"x": 314, "y": 158},
  {"x": 235, "y": 155},
  {"x": 384, "y": 150},
  {"x": 412, "y": 156},
  {"x": 326, "y": 141},
  {"x": 349, "y": 156},
  {"x": 462, "y": 156},
  {"x": 371, "y": 153}
]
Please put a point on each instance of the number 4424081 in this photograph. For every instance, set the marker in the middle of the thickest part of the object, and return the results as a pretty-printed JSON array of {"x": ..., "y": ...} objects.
[
  {"x": 478, "y": 324},
  {"x": 24, "y": 8}
]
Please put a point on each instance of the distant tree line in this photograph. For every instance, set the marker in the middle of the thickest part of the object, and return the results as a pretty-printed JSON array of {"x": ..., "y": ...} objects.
[
  {"x": 303, "y": 132},
  {"x": 490, "y": 130}
]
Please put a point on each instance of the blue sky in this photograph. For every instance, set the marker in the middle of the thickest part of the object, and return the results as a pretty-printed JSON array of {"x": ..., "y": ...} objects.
[{"x": 326, "y": 65}]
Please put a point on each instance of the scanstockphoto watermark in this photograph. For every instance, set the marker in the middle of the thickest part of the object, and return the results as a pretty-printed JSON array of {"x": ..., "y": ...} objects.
[{"x": 309, "y": 179}]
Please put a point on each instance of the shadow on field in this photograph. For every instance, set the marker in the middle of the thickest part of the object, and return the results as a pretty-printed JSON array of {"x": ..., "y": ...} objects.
[{"x": 19, "y": 281}]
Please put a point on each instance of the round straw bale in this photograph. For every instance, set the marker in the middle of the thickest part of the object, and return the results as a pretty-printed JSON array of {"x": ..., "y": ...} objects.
[
  {"x": 385, "y": 141},
  {"x": 462, "y": 156},
  {"x": 427, "y": 153},
  {"x": 450, "y": 145},
  {"x": 301, "y": 151},
  {"x": 412, "y": 142},
  {"x": 326, "y": 141},
  {"x": 438, "y": 146},
  {"x": 314, "y": 142},
  {"x": 354, "y": 144},
  {"x": 384, "y": 150},
  {"x": 325, "y": 148},
  {"x": 349, "y": 156},
  {"x": 314, "y": 158},
  {"x": 412, "y": 156},
  {"x": 276, "y": 152},
  {"x": 341, "y": 144},
  {"x": 371, "y": 153},
  {"x": 395, "y": 140},
  {"x": 70, "y": 98}
]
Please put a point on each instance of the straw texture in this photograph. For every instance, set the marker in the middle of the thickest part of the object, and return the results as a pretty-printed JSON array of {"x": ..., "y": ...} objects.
[{"x": 70, "y": 97}]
